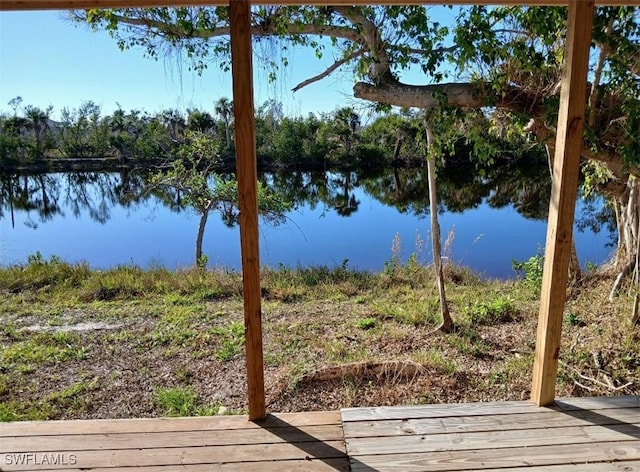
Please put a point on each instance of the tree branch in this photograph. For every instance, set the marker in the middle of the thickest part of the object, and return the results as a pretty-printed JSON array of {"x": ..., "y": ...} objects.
[
  {"x": 329, "y": 70},
  {"x": 380, "y": 70},
  {"x": 263, "y": 29},
  {"x": 464, "y": 95}
]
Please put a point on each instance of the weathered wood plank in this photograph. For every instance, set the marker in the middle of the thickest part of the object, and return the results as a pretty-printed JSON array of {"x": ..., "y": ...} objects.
[
  {"x": 149, "y": 425},
  {"x": 178, "y": 456},
  {"x": 303, "y": 465},
  {"x": 437, "y": 411},
  {"x": 247, "y": 175},
  {"x": 71, "y": 4},
  {"x": 498, "y": 458},
  {"x": 468, "y": 424},
  {"x": 238, "y": 437},
  {"x": 564, "y": 186},
  {"x": 492, "y": 440},
  {"x": 626, "y": 466},
  {"x": 596, "y": 403}
]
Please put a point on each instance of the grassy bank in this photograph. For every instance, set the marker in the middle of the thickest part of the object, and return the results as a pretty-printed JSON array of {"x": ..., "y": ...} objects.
[{"x": 128, "y": 342}]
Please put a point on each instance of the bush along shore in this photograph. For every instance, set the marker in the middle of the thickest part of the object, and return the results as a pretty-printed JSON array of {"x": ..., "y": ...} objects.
[
  {"x": 31, "y": 140},
  {"x": 131, "y": 342}
]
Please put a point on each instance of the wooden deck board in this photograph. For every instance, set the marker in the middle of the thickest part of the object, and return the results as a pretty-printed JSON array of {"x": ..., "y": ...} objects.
[
  {"x": 587, "y": 434},
  {"x": 124, "y": 441},
  {"x": 150, "y": 425},
  {"x": 575, "y": 435},
  {"x": 297, "y": 441}
]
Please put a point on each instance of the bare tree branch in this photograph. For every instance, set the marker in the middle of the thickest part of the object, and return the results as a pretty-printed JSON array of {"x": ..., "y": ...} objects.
[{"x": 329, "y": 70}]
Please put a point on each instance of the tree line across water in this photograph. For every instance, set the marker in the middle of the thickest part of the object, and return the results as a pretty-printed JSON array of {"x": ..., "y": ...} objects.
[{"x": 30, "y": 136}]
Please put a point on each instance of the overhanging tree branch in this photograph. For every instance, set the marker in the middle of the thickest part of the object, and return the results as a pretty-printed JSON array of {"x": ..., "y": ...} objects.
[{"x": 329, "y": 70}]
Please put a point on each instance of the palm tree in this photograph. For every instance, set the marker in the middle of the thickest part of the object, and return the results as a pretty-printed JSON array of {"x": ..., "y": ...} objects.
[
  {"x": 347, "y": 121},
  {"x": 38, "y": 123},
  {"x": 174, "y": 120},
  {"x": 224, "y": 108}
]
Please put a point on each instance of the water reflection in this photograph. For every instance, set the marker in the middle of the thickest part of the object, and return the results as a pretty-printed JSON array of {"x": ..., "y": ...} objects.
[{"x": 36, "y": 201}]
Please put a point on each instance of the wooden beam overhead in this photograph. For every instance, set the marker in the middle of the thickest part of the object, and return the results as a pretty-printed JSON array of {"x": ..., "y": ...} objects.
[
  {"x": 247, "y": 175},
  {"x": 564, "y": 185},
  {"x": 9, "y": 5}
]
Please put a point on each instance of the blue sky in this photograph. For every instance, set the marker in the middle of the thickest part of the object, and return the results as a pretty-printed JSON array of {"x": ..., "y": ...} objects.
[{"x": 47, "y": 60}]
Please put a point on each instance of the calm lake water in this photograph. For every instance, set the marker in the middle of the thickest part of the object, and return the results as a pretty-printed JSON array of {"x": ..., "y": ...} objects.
[{"x": 339, "y": 217}]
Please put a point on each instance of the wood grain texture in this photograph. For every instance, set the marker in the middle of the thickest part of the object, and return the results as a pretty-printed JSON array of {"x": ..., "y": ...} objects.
[
  {"x": 598, "y": 403},
  {"x": 566, "y": 168},
  {"x": 177, "y": 456},
  {"x": 493, "y": 440},
  {"x": 437, "y": 410},
  {"x": 71, "y": 4},
  {"x": 488, "y": 423},
  {"x": 577, "y": 434},
  {"x": 311, "y": 441},
  {"x": 514, "y": 458},
  {"x": 626, "y": 466},
  {"x": 150, "y": 425},
  {"x": 247, "y": 174},
  {"x": 87, "y": 442},
  {"x": 299, "y": 465}
]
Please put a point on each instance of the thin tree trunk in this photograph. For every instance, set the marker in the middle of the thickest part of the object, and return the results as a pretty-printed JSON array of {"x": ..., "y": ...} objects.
[
  {"x": 594, "y": 95},
  {"x": 575, "y": 272},
  {"x": 398, "y": 147},
  {"x": 617, "y": 208},
  {"x": 13, "y": 218},
  {"x": 398, "y": 182},
  {"x": 226, "y": 133},
  {"x": 204, "y": 216},
  {"x": 447, "y": 322}
]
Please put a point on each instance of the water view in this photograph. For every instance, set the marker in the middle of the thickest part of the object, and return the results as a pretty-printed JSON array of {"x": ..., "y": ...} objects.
[{"x": 109, "y": 219}]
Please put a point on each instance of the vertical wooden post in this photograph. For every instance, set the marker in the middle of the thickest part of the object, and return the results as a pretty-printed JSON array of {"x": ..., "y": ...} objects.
[
  {"x": 566, "y": 167},
  {"x": 242, "y": 70}
]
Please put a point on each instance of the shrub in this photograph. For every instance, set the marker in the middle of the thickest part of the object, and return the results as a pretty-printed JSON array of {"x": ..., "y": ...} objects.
[{"x": 531, "y": 270}]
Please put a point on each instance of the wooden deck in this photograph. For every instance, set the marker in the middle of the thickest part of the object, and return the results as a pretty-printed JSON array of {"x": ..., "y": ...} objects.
[
  {"x": 589, "y": 434},
  {"x": 296, "y": 442}
]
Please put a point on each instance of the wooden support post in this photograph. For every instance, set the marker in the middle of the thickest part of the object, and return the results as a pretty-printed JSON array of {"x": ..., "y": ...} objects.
[
  {"x": 247, "y": 174},
  {"x": 566, "y": 167}
]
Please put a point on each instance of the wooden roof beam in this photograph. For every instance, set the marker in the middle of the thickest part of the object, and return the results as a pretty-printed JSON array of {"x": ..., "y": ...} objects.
[{"x": 9, "y": 5}]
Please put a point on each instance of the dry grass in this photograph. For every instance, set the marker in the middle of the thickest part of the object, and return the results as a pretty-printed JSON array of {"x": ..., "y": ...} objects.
[{"x": 154, "y": 331}]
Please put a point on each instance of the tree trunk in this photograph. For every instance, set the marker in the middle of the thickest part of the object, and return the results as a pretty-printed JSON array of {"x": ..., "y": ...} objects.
[
  {"x": 447, "y": 322},
  {"x": 575, "y": 273},
  {"x": 397, "y": 148},
  {"x": 204, "y": 216},
  {"x": 227, "y": 134},
  {"x": 398, "y": 182},
  {"x": 627, "y": 208},
  {"x": 13, "y": 217}
]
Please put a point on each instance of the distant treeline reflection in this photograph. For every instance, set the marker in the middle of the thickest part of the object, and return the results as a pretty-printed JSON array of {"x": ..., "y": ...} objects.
[{"x": 45, "y": 196}]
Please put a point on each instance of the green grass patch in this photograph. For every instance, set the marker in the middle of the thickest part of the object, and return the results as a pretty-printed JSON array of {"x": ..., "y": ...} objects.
[
  {"x": 409, "y": 309},
  {"x": 233, "y": 341},
  {"x": 39, "y": 273},
  {"x": 499, "y": 310},
  {"x": 45, "y": 348},
  {"x": 436, "y": 358},
  {"x": 182, "y": 401},
  {"x": 367, "y": 323},
  {"x": 17, "y": 411},
  {"x": 468, "y": 342}
]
